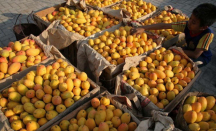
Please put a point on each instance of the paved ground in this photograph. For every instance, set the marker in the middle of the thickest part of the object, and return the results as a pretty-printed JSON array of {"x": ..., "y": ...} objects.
[{"x": 9, "y": 10}]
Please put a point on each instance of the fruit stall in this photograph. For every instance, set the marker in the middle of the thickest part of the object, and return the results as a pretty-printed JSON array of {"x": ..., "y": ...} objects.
[{"x": 86, "y": 72}]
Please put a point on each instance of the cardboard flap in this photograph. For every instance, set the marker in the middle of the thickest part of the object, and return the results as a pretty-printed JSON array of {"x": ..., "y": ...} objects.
[
  {"x": 58, "y": 36},
  {"x": 79, "y": 4}
]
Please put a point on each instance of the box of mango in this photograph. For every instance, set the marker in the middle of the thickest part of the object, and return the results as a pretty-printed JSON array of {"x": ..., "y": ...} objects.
[
  {"x": 84, "y": 23},
  {"x": 102, "y": 113},
  {"x": 160, "y": 79},
  {"x": 163, "y": 16},
  {"x": 197, "y": 112},
  {"x": 17, "y": 58},
  {"x": 45, "y": 95},
  {"x": 138, "y": 9},
  {"x": 109, "y": 50}
]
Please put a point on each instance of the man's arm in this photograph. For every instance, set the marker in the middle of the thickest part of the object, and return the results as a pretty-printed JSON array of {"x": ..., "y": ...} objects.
[
  {"x": 194, "y": 54},
  {"x": 140, "y": 29}
]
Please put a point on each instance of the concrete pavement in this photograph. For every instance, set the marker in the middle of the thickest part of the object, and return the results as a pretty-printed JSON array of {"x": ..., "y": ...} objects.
[{"x": 9, "y": 10}]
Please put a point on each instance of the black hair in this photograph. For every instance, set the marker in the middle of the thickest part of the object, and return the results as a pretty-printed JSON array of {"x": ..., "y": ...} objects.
[{"x": 206, "y": 13}]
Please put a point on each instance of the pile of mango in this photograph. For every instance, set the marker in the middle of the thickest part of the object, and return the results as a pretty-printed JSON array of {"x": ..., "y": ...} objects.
[
  {"x": 199, "y": 113},
  {"x": 137, "y": 8},
  {"x": 101, "y": 116},
  {"x": 160, "y": 76},
  {"x": 42, "y": 94},
  {"x": 84, "y": 23},
  {"x": 18, "y": 56},
  {"x": 101, "y": 3},
  {"x": 165, "y": 17},
  {"x": 116, "y": 46}
]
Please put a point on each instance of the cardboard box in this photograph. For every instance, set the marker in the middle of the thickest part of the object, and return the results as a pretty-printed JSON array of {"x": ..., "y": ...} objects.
[
  {"x": 122, "y": 88},
  {"x": 7, "y": 81},
  {"x": 94, "y": 91},
  {"x": 88, "y": 104}
]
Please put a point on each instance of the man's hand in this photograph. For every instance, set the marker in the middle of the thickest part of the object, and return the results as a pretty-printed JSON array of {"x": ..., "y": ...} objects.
[{"x": 137, "y": 30}]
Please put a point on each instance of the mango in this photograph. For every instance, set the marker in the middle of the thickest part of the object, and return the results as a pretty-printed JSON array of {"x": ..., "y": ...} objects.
[
  {"x": 13, "y": 118},
  {"x": 117, "y": 112},
  {"x": 62, "y": 87},
  {"x": 14, "y": 68},
  {"x": 81, "y": 121},
  {"x": 18, "y": 109},
  {"x": 64, "y": 124},
  {"x": 39, "y": 104},
  {"x": 203, "y": 125},
  {"x": 123, "y": 127},
  {"x": 28, "y": 83},
  {"x": 28, "y": 118},
  {"x": 39, "y": 94},
  {"x": 70, "y": 85},
  {"x": 49, "y": 107},
  {"x": 51, "y": 114},
  {"x": 103, "y": 126},
  {"x": 29, "y": 63},
  {"x": 90, "y": 123},
  {"x": 100, "y": 116},
  {"x": 81, "y": 113},
  {"x": 17, "y": 125},
  {"x": 12, "y": 104},
  {"x": 67, "y": 94},
  {"x": 32, "y": 126},
  {"x": 60, "y": 108},
  {"x": 109, "y": 114},
  {"x": 29, "y": 107},
  {"x": 22, "y": 89},
  {"x": 56, "y": 100},
  {"x": 55, "y": 128},
  {"x": 186, "y": 107},
  {"x": 17, "y": 46},
  {"x": 23, "y": 114},
  {"x": 92, "y": 113},
  {"x": 4, "y": 53},
  {"x": 73, "y": 121},
  {"x": 19, "y": 58},
  {"x": 76, "y": 98},
  {"x": 47, "y": 98},
  {"x": 132, "y": 126},
  {"x": 3, "y": 59},
  {"x": 190, "y": 116},
  {"x": 54, "y": 84},
  {"x": 34, "y": 99},
  {"x": 38, "y": 80},
  {"x": 210, "y": 102},
  {"x": 42, "y": 121},
  {"x": 11, "y": 55},
  {"x": 191, "y": 99},
  {"x": 8, "y": 113},
  {"x": 30, "y": 94},
  {"x": 160, "y": 74},
  {"x": 56, "y": 92},
  {"x": 206, "y": 116},
  {"x": 41, "y": 70},
  {"x": 14, "y": 96},
  {"x": 116, "y": 121},
  {"x": 39, "y": 113},
  {"x": 3, "y": 102},
  {"x": 105, "y": 101},
  {"x": 3, "y": 67},
  {"x": 125, "y": 118},
  {"x": 2, "y": 75},
  {"x": 32, "y": 52}
]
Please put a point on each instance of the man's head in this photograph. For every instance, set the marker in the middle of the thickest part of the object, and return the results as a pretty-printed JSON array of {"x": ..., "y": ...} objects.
[{"x": 206, "y": 14}]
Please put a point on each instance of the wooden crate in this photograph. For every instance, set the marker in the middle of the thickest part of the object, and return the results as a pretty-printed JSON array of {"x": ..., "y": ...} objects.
[
  {"x": 95, "y": 89},
  {"x": 85, "y": 106}
]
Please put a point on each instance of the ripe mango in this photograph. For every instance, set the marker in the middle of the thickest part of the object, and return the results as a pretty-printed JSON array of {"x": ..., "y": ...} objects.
[
  {"x": 67, "y": 94},
  {"x": 81, "y": 121},
  {"x": 3, "y": 102},
  {"x": 190, "y": 116},
  {"x": 47, "y": 98},
  {"x": 100, "y": 116},
  {"x": 191, "y": 99},
  {"x": 39, "y": 113},
  {"x": 51, "y": 114},
  {"x": 17, "y": 46},
  {"x": 32, "y": 126},
  {"x": 132, "y": 126},
  {"x": 56, "y": 100},
  {"x": 9, "y": 113},
  {"x": 23, "y": 114},
  {"x": 17, "y": 125},
  {"x": 125, "y": 118},
  {"x": 64, "y": 124},
  {"x": 12, "y": 104},
  {"x": 32, "y": 52},
  {"x": 3, "y": 59},
  {"x": 29, "y": 84},
  {"x": 39, "y": 104},
  {"x": 109, "y": 114},
  {"x": 4, "y": 53},
  {"x": 92, "y": 113},
  {"x": 19, "y": 58},
  {"x": 18, "y": 109},
  {"x": 11, "y": 55},
  {"x": 13, "y": 118},
  {"x": 116, "y": 121},
  {"x": 47, "y": 89},
  {"x": 41, "y": 70},
  {"x": 90, "y": 123},
  {"x": 14, "y": 96},
  {"x": 39, "y": 94},
  {"x": 3, "y": 67},
  {"x": 38, "y": 80},
  {"x": 30, "y": 94},
  {"x": 42, "y": 121},
  {"x": 117, "y": 112},
  {"x": 210, "y": 102},
  {"x": 81, "y": 113},
  {"x": 29, "y": 107},
  {"x": 55, "y": 128},
  {"x": 14, "y": 68},
  {"x": 60, "y": 108},
  {"x": 54, "y": 84},
  {"x": 123, "y": 127},
  {"x": 49, "y": 107},
  {"x": 28, "y": 118},
  {"x": 76, "y": 98},
  {"x": 70, "y": 85},
  {"x": 103, "y": 126}
]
